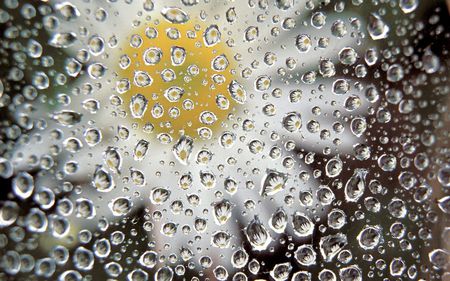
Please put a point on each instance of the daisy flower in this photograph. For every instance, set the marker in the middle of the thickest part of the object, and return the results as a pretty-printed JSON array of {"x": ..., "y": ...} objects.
[{"x": 192, "y": 137}]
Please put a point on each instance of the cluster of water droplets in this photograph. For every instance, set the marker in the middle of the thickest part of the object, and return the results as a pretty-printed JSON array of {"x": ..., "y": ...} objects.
[{"x": 285, "y": 140}]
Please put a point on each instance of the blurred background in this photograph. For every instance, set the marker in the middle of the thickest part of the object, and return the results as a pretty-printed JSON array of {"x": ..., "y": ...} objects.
[{"x": 404, "y": 211}]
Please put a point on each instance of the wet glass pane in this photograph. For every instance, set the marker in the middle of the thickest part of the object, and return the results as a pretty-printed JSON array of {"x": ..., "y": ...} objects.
[{"x": 224, "y": 140}]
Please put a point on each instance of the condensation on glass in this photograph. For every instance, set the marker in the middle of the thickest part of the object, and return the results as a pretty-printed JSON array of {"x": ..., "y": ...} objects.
[{"x": 224, "y": 140}]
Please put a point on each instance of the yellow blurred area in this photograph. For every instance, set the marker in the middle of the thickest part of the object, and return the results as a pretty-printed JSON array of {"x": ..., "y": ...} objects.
[{"x": 200, "y": 89}]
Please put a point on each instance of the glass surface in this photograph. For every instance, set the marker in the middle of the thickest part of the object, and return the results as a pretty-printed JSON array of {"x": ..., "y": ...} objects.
[{"x": 224, "y": 140}]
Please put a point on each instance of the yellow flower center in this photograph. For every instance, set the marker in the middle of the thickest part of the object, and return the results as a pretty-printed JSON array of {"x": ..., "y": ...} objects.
[
  {"x": 169, "y": 77},
  {"x": 183, "y": 154}
]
